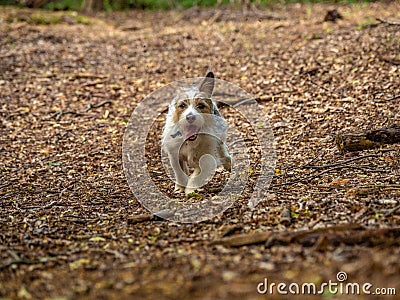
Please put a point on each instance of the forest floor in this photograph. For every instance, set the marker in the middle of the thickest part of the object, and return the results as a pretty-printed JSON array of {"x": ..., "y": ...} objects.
[{"x": 68, "y": 219}]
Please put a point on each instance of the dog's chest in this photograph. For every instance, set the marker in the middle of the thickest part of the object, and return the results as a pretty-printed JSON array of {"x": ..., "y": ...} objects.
[{"x": 191, "y": 152}]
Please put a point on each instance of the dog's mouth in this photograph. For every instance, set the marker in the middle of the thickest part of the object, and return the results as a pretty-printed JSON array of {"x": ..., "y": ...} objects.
[{"x": 191, "y": 132}]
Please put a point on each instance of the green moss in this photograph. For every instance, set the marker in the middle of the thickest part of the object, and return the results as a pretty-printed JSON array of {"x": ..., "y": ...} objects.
[
  {"x": 194, "y": 195},
  {"x": 80, "y": 19},
  {"x": 42, "y": 19}
]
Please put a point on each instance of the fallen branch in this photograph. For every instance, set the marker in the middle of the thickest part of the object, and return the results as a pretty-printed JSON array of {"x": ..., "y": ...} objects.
[
  {"x": 140, "y": 218},
  {"x": 368, "y": 140},
  {"x": 351, "y": 234},
  {"x": 395, "y": 23},
  {"x": 243, "y": 239},
  {"x": 261, "y": 237},
  {"x": 157, "y": 216}
]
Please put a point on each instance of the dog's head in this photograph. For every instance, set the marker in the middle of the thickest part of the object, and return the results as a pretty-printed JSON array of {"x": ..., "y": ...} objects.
[{"x": 189, "y": 106}]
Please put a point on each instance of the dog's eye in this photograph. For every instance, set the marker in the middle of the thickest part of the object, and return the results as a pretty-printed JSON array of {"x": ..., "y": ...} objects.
[
  {"x": 182, "y": 105},
  {"x": 201, "y": 106}
]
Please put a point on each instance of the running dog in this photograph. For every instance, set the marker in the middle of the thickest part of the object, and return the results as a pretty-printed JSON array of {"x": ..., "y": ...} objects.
[{"x": 194, "y": 128}]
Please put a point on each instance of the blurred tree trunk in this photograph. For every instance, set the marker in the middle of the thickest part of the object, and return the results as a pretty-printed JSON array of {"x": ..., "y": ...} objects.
[{"x": 93, "y": 5}]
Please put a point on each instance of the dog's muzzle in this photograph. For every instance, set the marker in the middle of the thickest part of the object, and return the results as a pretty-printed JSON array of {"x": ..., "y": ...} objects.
[{"x": 191, "y": 132}]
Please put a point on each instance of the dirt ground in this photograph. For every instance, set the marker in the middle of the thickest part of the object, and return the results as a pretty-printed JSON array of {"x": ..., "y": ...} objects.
[{"x": 68, "y": 219}]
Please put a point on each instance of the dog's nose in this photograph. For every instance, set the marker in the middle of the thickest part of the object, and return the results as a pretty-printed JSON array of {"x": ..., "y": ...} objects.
[{"x": 190, "y": 118}]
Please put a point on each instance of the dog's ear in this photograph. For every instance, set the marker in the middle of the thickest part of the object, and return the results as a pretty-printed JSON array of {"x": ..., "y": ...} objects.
[{"x": 207, "y": 85}]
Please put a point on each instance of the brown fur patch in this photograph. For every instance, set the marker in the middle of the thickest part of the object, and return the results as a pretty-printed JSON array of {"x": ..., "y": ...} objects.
[
  {"x": 180, "y": 107},
  {"x": 203, "y": 105}
]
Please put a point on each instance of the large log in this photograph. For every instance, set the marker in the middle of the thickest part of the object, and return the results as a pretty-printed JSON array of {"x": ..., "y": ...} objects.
[{"x": 369, "y": 139}]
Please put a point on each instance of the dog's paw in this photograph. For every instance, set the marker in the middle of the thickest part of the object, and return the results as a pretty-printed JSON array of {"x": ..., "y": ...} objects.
[
  {"x": 189, "y": 191},
  {"x": 179, "y": 189}
]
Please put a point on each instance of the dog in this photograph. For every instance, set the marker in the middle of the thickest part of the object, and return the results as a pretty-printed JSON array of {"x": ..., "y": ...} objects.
[{"x": 194, "y": 136}]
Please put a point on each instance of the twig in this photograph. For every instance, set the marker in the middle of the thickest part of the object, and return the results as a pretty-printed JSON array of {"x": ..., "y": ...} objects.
[
  {"x": 319, "y": 85},
  {"x": 7, "y": 184},
  {"x": 93, "y": 83},
  {"x": 392, "y": 211},
  {"x": 393, "y": 98},
  {"x": 385, "y": 186},
  {"x": 87, "y": 76},
  {"x": 339, "y": 163},
  {"x": 187, "y": 240},
  {"x": 50, "y": 205},
  {"x": 336, "y": 94},
  {"x": 216, "y": 17},
  {"x": 90, "y": 106},
  {"x": 395, "y": 23},
  {"x": 307, "y": 165},
  {"x": 308, "y": 178},
  {"x": 17, "y": 261},
  {"x": 245, "y": 101},
  {"x": 58, "y": 114}
]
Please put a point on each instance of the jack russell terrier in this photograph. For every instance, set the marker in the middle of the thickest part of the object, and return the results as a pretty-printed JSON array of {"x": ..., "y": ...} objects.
[{"x": 194, "y": 136}]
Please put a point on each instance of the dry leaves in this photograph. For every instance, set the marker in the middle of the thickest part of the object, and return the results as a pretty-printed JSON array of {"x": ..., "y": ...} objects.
[{"x": 69, "y": 224}]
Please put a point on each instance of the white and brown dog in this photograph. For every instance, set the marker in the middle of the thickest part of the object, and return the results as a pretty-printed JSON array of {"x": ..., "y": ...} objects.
[{"x": 194, "y": 136}]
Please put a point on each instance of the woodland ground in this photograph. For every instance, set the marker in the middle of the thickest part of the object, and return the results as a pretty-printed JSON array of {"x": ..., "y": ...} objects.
[{"x": 67, "y": 218}]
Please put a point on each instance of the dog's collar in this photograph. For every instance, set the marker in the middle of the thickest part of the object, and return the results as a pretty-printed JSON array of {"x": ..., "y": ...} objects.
[{"x": 178, "y": 133}]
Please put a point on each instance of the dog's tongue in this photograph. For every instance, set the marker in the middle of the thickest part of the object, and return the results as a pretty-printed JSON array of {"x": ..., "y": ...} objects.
[{"x": 191, "y": 131}]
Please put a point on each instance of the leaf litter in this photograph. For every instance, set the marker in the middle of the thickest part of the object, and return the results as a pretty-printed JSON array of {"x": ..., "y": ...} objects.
[{"x": 70, "y": 226}]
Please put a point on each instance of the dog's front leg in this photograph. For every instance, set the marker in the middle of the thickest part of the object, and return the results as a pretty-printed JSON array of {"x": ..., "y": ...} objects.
[
  {"x": 202, "y": 173},
  {"x": 226, "y": 159},
  {"x": 180, "y": 171},
  {"x": 192, "y": 183}
]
